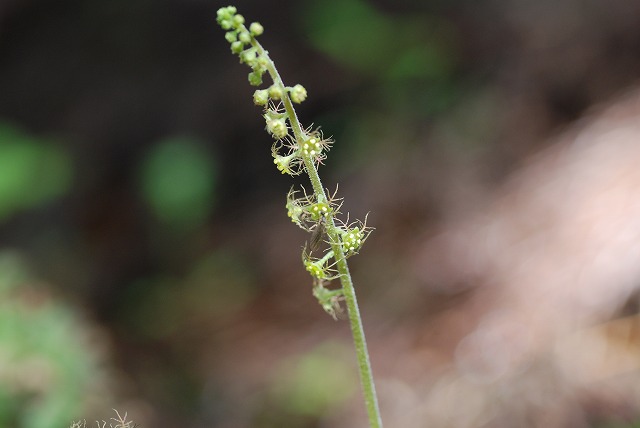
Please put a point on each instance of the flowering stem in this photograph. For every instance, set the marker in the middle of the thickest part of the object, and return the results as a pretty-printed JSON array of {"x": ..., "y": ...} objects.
[{"x": 258, "y": 58}]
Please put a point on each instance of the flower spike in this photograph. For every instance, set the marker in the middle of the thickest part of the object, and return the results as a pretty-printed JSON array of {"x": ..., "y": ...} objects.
[{"x": 297, "y": 149}]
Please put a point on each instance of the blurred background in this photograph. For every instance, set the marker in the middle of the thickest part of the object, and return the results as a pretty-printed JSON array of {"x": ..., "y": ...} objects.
[{"x": 147, "y": 263}]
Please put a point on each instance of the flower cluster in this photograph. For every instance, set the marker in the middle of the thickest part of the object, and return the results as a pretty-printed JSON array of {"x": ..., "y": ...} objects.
[
  {"x": 294, "y": 151},
  {"x": 243, "y": 43},
  {"x": 310, "y": 213},
  {"x": 307, "y": 210},
  {"x": 290, "y": 154}
]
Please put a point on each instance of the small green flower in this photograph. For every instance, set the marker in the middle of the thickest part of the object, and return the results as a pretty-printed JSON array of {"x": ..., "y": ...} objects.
[
  {"x": 261, "y": 97},
  {"x": 314, "y": 146},
  {"x": 319, "y": 268},
  {"x": 226, "y": 13},
  {"x": 294, "y": 209},
  {"x": 328, "y": 299},
  {"x": 262, "y": 62},
  {"x": 225, "y": 17},
  {"x": 353, "y": 236},
  {"x": 237, "y": 47},
  {"x": 318, "y": 210},
  {"x": 255, "y": 78},
  {"x": 352, "y": 240},
  {"x": 238, "y": 20},
  {"x": 231, "y": 36},
  {"x": 276, "y": 124},
  {"x": 256, "y": 29},
  {"x": 286, "y": 164},
  {"x": 311, "y": 147},
  {"x": 244, "y": 37},
  {"x": 298, "y": 94},
  {"x": 314, "y": 269},
  {"x": 226, "y": 24},
  {"x": 248, "y": 56},
  {"x": 275, "y": 92}
]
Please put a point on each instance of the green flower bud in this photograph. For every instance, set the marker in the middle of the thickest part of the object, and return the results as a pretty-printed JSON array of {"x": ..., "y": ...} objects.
[
  {"x": 261, "y": 97},
  {"x": 237, "y": 47},
  {"x": 276, "y": 124},
  {"x": 226, "y": 12},
  {"x": 231, "y": 36},
  {"x": 238, "y": 20},
  {"x": 248, "y": 56},
  {"x": 275, "y": 92},
  {"x": 225, "y": 15},
  {"x": 255, "y": 78},
  {"x": 244, "y": 37},
  {"x": 298, "y": 94},
  {"x": 256, "y": 29},
  {"x": 277, "y": 128},
  {"x": 262, "y": 62}
]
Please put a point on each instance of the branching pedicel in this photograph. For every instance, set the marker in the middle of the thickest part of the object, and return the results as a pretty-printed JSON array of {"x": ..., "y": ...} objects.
[{"x": 296, "y": 150}]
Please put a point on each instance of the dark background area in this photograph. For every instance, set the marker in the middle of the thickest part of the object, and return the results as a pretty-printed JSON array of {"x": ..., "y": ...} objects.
[{"x": 137, "y": 189}]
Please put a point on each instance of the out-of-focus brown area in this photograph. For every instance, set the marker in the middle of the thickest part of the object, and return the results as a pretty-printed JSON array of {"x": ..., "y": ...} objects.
[
  {"x": 550, "y": 267},
  {"x": 494, "y": 144}
]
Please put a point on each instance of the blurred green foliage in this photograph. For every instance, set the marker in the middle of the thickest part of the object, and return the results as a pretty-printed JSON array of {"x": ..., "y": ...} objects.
[
  {"x": 358, "y": 36},
  {"x": 217, "y": 286},
  {"x": 178, "y": 181},
  {"x": 46, "y": 367},
  {"x": 308, "y": 387},
  {"x": 410, "y": 63},
  {"x": 32, "y": 170}
]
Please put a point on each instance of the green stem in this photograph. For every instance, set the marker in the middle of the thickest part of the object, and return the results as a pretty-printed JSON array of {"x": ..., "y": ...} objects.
[{"x": 357, "y": 330}]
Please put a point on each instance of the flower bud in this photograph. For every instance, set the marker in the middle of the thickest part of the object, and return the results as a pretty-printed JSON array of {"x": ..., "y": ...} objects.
[
  {"x": 231, "y": 36},
  {"x": 226, "y": 12},
  {"x": 255, "y": 78},
  {"x": 237, "y": 47},
  {"x": 298, "y": 94},
  {"x": 261, "y": 97},
  {"x": 248, "y": 56},
  {"x": 276, "y": 124},
  {"x": 238, "y": 20},
  {"x": 244, "y": 37},
  {"x": 225, "y": 17},
  {"x": 256, "y": 29},
  {"x": 275, "y": 92},
  {"x": 262, "y": 62}
]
